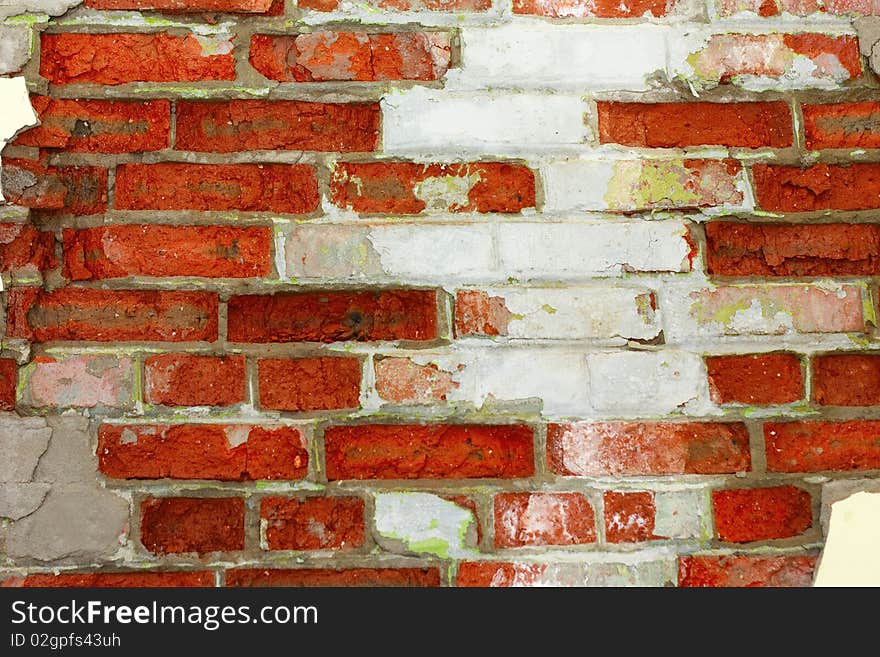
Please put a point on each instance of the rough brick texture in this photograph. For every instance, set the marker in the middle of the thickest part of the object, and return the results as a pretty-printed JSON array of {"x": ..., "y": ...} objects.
[
  {"x": 757, "y": 514},
  {"x": 756, "y": 380},
  {"x": 202, "y": 525},
  {"x": 435, "y": 292},
  {"x": 201, "y": 451}
]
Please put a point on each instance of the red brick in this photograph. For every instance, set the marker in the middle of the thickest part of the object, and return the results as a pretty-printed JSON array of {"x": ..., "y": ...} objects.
[
  {"x": 393, "y": 187},
  {"x": 25, "y": 250},
  {"x": 744, "y": 249},
  {"x": 760, "y": 514},
  {"x": 132, "y": 579},
  {"x": 301, "y": 577},
  {"x": 189, "y": 380},
  {"x": 402, "y": 381},
  {"x": 819, "y": 187},
  {"x": 99, "y": 126},
  {"x": 593, "y": 8},
  {"x": 243, "y": 125},
  {"x": 111, "y": 315},
  {"x": 313, "y": 523},
  {"x": 333, "y": 316},
  {"x": 173, "y": 525},
  {"x": 119, "y": 58},
  {"x": 309, "y": 384},
  {"x": 821, "y": 48},
  {"x": 846, "y": 380},
  {"x": 70, "y": 189},
  {"x": 476, "y": 313},
  {"x": 659, "y": 448},
  {"x": 356, "y": 56},
  {"x": 629, "y": 517},
  {"x": 201, "y": 451},
  {"x": 428, "y": 451},
  {"x": 155, "y": 250},
  {"x": 677, "y": 125},
  {"x": 289, "y": 188},
  {"x": 842, "y": 125},
  {"x": 755, "y": 379},
  {"x": 174, "y": 6},
  {"x": 8, "y": 380},
  {"x": 533, "y": 519},
  {"x": 403, "y": 5},
  {"x": 745, "y": 570},
  {"x": 486, "y": 573},
  {"x": 818, "y": 446}
]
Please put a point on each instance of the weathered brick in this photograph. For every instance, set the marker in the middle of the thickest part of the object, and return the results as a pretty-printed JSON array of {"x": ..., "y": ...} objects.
[
  {"x": 630, "y": 185},
  {"x": 99, "y": 126},
  {"x": 763, "y": 310},
  {"x": 629, "y": 572},
  {"x": 111, "y": 315},
  {"x": 333, "y": 316},
  {"x": 594, "y": 8},
  {"x": 356, "y": 56},
  {"x": 180, "y": 524},
  {"x": 745, "y": 249},
  {"x": 8, "y": 380},
  {"x": 313, "y": 523},
  {"x": 298, "y": 577},
  {"x": 818, "y": 446},
  {"x": 846, "y": 380},
  {"x": 533, "y": 519},
  {"x": 424, "y": 524},
  {"x": 120, "y": 58},
  {"x": 289, "y": 188},
  {"x": 232, "y": 6},
  {"x": 402, "y": 5},
  {"x": 758, "y": 514},
  {"x": 241, "y": 125},
  {"x": 677, "y": 125},
  {"x": 227, "y": 452},
  {"x": 627, "y": 449},
  {"x": 842, "y": 125},
  {"x": 410, "y": 188},
  {"x": 309, "y": 384},
  {"x": 428, "y": 451},
  {"x": 78, "y": 381},
  {"x": 68, "y": 189},
  {"x": 190, "y": 380},
  {"x": 629, "y": 517},
  {"x": 755, "y": 379},
  {"x": 155, "y": 250},
  {"x": 547, "y": 313},
  {"x": 746, "y": 570},
  {"x": 819, "y": 187},
  {"x": 25, "y": 250},
  {"x": 791, "y": 61},
  {"x": 797, "y": 7},
  {"x": 132, "y": 579}
]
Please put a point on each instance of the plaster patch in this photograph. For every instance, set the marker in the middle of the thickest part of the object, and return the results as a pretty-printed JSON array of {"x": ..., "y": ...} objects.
[
  {"x": 850, "y": 554},
  {"x": 424, "y": 524}
]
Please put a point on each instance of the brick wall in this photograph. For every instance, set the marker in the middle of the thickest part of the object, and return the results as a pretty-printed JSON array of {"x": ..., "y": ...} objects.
[{"x": 424, "y": 293}]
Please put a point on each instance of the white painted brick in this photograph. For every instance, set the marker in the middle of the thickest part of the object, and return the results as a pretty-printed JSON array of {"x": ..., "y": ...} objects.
[
  {"x": 424, "y": 524},
  {"x": 578, "y": 313},
  {"x": 391, "y": 252},
  {"x": 421, "y": 120},
  {"x": 647, "y": 383},
  {"x": 554, "y": 380},
  {"x": 530, "y": 53},
  {"x": 557, "y": 251},
  {"x": 627, "y": 185},
  {"x": 682, "y": 514}
]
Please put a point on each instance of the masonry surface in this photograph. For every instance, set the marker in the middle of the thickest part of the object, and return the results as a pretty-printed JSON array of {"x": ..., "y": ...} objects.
[{"x": 436, "y": 293}]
